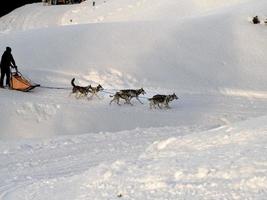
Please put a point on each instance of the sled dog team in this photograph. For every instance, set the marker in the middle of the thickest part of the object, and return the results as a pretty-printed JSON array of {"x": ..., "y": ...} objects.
[{"x": 158, "y": 100}]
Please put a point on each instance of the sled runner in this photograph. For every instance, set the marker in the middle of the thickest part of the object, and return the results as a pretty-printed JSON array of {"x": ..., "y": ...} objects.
[{"x": 18, "y": 82}]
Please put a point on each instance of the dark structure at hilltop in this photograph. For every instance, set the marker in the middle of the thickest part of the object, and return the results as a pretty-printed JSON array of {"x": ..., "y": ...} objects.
[
  {"x": 10, "y": 5},
  {"x": 13, "y": 4}
]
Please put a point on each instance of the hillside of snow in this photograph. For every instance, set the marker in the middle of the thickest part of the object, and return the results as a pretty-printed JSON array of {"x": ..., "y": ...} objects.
[
  {"x": 40, "y": 15},
  {"x": 211, "y": 144},
  {"x": 210, "y": 51}
]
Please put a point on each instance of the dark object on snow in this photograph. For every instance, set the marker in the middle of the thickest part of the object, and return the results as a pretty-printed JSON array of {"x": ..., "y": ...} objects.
[
  {"x": 161, "y": 99},
  {"x": 18, "y": 82},
  {"x": 93, "y": 3},
  {"x": 57, "y": 2},
  {"x": 256, "y": 20},
  {"x": 119, "y": 195},
  {"x": 7, "y": 61}
]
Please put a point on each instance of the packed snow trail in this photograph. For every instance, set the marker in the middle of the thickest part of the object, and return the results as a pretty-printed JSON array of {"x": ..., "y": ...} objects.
[{"x": 45, "y": 113}]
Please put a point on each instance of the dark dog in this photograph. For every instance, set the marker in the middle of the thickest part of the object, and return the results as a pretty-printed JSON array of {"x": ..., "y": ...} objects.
[
  {"x": 79, "y": 91},
  {"x": 95, "y": 90},
  {"x": 256, "y": 20},
  {"x": 161, "y": 100},
  {"x": 127, "y": 95}
]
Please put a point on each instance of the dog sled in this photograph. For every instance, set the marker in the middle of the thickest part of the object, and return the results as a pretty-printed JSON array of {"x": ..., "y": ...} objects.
[{"x": 20, "y": 83}]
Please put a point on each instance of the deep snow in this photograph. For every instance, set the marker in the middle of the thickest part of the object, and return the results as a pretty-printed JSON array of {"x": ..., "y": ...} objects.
[
  {"x": 210, "y": 145},
  {"x": 165, "y": 163}
]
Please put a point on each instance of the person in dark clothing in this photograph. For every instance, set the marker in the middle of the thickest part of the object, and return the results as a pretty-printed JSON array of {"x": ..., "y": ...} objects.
[
  {"x": 256, "y": 20},
  {"x": 7, "y": 61}
]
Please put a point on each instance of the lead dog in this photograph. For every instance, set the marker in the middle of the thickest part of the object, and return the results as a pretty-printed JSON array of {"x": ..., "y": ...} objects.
[
  {"x": 161, "y": 100},
  {"x": 127, "y": 95}
]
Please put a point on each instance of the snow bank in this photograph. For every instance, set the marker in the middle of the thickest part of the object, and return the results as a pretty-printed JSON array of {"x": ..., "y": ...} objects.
[{"x": 228, "y": 162}]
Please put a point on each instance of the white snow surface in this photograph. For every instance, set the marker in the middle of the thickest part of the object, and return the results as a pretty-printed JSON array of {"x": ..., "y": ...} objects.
[{"x": 211, "y": 144}]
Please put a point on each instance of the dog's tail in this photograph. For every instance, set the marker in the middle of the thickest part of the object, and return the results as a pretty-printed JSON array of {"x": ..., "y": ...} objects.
[{"x": 72, "y": 82}]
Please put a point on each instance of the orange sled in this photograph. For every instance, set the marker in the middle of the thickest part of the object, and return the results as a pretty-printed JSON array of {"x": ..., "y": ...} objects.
[{"x": 18, "y": 82}]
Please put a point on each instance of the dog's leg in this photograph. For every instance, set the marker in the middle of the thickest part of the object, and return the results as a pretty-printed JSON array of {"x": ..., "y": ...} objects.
[
  {"x": 167, "y": 105},
  {"x": 127, "y": 100},
  {"x": 118, "y": 101},
  {"x": 80, "y": 95},
  {"x": 90, "y": 97},
  {"x": 114, "y": 99},
  {"x": 155, "y": 105},
  {"x": 97, "y": 96},
  {"x": 150, "y": 104},
  {"x": 139, "y": 100},
  {"x": 111, "y": 101},
  {"x": 130, "y": 103}
]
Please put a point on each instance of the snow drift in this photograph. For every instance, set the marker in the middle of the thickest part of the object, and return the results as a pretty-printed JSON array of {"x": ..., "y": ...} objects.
[{"x": 228, "y": 162}]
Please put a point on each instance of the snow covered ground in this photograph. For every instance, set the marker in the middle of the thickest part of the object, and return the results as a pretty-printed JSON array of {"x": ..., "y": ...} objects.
[
  {"x": 211, "y": 144},
  {"x": 163, "y": 163}
]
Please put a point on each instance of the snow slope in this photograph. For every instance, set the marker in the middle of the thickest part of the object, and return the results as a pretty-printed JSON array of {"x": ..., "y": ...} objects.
[
  {"x": 214, "y": 52},
  {"x": 224, "y": 163},
  {"x": 34, "y": 16},
  {"x": 209, "y": 145}
]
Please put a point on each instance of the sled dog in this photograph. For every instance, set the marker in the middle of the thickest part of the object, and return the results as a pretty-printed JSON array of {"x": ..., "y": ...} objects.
[
  {"x": 127, "y": 95},
  {"x": 160, "y": 99},
  {"x": 79, "y": 91},
  {"x": 118, "y": 95},
  {"x": 95, "y": 90}
]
